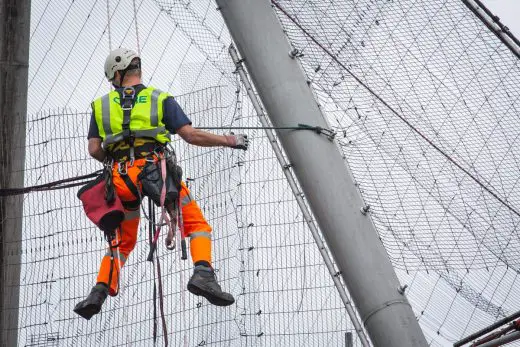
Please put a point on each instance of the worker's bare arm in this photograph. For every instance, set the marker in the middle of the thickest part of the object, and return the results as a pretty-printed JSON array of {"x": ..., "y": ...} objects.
[
  {"x": 95, "y": 149},
  {"x": 201, "y": 138}
]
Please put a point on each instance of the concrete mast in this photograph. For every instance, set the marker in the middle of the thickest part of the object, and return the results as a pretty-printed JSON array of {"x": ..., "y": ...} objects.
[
  {"x": 307, "y": 216},
  {"x": 323, "y": 176},
  {"x": 14, "y": 63}
]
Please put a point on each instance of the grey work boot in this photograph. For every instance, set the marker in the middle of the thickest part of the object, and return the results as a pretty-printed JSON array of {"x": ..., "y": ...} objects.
[
  {"x": 204, "y": 283},
  {"x": 92, "y": 304}
]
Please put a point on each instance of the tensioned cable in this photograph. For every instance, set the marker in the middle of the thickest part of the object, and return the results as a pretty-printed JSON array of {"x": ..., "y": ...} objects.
[
  {"x": 430, "y": 142},
  {"x": 108, "y": 25},
  {"x": 55, "y": 185},
  {"x": 319, "y": 130},
  {"x": 136, "y": 30}
]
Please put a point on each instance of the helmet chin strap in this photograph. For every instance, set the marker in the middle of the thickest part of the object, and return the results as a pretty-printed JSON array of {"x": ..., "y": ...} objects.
[
  {"x": 114, "y": 82},
  {"x": 122, "y": 73}
]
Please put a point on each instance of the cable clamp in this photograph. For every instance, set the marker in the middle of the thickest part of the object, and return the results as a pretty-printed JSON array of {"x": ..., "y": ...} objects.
[
  {"x": 330, "y": 134},
  {"x": 295, "y": 53}
]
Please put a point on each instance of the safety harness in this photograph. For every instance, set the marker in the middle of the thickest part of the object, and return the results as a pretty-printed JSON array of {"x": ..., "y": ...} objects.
[{"x": 151, "y": 152}]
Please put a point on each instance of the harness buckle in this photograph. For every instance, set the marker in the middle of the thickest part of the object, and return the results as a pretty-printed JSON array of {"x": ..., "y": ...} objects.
[{"x": 128, "y": 98}]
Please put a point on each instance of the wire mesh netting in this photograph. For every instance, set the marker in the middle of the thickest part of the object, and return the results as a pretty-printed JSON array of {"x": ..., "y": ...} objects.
[{"x": 424, "y": 100}]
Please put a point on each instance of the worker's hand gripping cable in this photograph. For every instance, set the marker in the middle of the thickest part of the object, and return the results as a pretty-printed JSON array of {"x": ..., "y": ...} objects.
[{"x": 237, "y": 141}]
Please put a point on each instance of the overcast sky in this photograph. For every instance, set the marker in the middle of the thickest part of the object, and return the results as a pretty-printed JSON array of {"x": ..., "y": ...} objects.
[{"x": 507, "y": 11}]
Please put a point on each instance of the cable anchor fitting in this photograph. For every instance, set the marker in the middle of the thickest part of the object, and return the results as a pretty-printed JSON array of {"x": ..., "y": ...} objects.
[
  {"x": 295, "y": 53},
  {"x": 402, "y": 289},
  {"x": 330, "y": 134}
]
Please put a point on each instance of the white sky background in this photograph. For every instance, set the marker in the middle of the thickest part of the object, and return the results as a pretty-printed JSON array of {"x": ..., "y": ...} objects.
[{"x": 508, "y": 12}]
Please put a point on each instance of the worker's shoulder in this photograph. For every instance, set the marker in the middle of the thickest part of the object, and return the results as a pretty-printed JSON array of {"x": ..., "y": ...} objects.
[
  {"x": 157, "y": 89},
  {"x": 100, "y": 97}
]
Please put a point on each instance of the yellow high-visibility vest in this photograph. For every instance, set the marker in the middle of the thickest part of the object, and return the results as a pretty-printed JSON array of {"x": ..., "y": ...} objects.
[{"x": 146, "y": 117}]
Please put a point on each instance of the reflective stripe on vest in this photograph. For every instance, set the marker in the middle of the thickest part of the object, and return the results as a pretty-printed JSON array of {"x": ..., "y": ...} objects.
[
  {"x": 154, "y": 114},
  {"x": 105, "y": 107},
  {"x": 146, "y": 119}
]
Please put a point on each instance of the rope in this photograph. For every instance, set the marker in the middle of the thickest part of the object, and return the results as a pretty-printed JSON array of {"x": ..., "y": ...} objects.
[
  {"x": 161, "y": 301},
  {"x": 378, "y": 97},
  {"x": 158, "y": 285},
  {"x": 136, "y": 30},
  {"x": 151, "y": 223},
  {"x": 51, "y": 185}
]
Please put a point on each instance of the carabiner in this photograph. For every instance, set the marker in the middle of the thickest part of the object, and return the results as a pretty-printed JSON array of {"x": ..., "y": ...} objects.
[
  {"x": 108, "y": 163},
  {"x": 121, "y": 168},
  {"x": 132, "y": 156}
]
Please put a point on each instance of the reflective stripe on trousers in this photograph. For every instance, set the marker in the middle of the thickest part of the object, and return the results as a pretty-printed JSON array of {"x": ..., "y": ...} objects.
[{"x": 195, "y": 226}]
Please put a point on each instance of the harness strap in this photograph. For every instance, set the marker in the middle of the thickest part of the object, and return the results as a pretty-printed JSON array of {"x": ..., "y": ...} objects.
[
  {"x": 127, "y": 103},
  {"x": 143, "y": 148},
  {"x": 131, "y": 186}
]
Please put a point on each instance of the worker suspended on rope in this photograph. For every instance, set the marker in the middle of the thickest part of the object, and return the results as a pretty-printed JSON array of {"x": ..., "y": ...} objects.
[{"x": 129, "y": 129}]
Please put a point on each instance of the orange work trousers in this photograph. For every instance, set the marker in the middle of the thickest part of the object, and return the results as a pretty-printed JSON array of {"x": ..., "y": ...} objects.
[{"x": 195, "y": 227}]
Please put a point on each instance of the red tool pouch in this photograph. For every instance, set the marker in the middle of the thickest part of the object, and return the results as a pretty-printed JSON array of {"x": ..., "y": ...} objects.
[{"x": 103, "y": 208}]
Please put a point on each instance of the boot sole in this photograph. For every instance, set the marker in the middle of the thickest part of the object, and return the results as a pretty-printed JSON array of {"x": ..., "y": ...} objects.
[
  {"x": 87, "y": 311},
  {"x": 212, "y": 299}
]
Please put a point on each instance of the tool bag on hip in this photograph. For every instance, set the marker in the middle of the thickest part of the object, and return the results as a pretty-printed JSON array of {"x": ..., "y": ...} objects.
[
  {"x": 102, "y": 206},
  {"x": 152, "y": 182}
]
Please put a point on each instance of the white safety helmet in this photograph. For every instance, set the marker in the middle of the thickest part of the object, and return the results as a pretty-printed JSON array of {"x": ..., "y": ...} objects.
[{"x": 117, "y": 60}]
